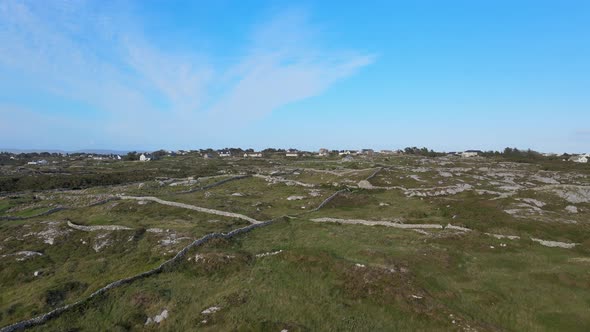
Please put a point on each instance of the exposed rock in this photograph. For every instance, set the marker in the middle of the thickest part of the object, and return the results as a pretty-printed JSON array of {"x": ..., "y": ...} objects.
[
  {"x": 501, "y": 236},
  {"x": 314, "y": 193},
  {"x": 555, "y": 244},
  {"x": 544, "y": 179},
  {"x": 272, "y": 253},
  {"x": 459, "y": 228},
  {"x": 574, "y": 194},
  {"x": 295, "y": 198},
  {"x": 23, "y": 255},
  {"x": 52, "y": 232},
  {"x": 210, "y": 310},
  {"x": 364, "y": 184},
  {"x": 101, "y": 242},
  {"x": 535, "y": 202},
  {"x": 443, "y": 191},
  {"x": 97, "y": 228},
  {"x": 157, "y": 318}
]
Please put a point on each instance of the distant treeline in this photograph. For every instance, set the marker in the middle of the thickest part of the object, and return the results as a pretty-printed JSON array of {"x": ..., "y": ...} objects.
[
  {"x": 24, "y": 182},
  {"x": 73, "y": 181},
  {"x": 512, "y": 154}
]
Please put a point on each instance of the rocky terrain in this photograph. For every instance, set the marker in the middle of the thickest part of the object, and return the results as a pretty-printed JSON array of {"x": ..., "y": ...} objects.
[{"x": 372, "y": 243}]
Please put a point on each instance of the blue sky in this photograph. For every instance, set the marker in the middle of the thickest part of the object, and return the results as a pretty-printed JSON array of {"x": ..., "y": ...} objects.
[{"x": 449, "y": 75}]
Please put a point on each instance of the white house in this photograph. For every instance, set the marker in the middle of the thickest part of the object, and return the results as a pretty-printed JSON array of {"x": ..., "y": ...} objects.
[
  {"x": 253, "y": 155},
  {"x": 225, "y": 154},
  {"x": 292, "y": 154},
  {"x": 324, "y": 153},
  {"x": 143, "y": 158},
  {"x": 32, "y": 163},
  {"x": 470, "y": 153},
  {"x": 580, "y": 159}
]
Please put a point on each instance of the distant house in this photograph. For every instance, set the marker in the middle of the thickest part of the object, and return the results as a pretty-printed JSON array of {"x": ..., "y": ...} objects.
[
  {"x": 42, "y": 162},
  {"x": 583, "y": 159},
  {"x": 207, "y": 155},
  {"x": 118, "y": 157},
  {"x": 143, "y": 158},
  {"x": 252, "y": 155},
  {"x": 324, "y": 153},
  {"x": 32, "y": 163},
  {"x": 225, "y": 154},
  {"x": 367, "y": 151},
  {"x": 292, "y": 153},
  {"x": 470, "y": 153},
  {"x": 344, "y": 153}
]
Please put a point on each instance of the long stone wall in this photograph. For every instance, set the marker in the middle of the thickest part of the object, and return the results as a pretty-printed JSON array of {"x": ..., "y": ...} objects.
[
  {"x": 218, "y": 183},
  {"x": 329, "y": 199},
  {"x": 192, "y": 207},
  {"x": 56, "y": 209}
]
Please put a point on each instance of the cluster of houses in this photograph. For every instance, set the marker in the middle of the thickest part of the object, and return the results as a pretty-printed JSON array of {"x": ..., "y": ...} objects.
[{"x": 289, "y": 153}]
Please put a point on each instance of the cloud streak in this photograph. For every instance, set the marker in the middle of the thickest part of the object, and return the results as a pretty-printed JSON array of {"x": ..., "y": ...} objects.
[{"x": 146, "y": 95}]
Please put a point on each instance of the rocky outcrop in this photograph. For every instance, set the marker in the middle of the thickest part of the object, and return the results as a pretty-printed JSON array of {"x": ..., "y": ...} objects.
[{"x": 275, "y": 179}]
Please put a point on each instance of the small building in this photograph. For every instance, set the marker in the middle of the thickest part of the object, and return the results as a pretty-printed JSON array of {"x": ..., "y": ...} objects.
[
  {"x": 344, "y": 153},
  {"x": 368, "y": 152},
  {"x": 324, "y": 153},
  {"x": 143, "y": 157},
  {"x": 583, "y": 159},
  {"x": 32, "y": 163},
  {"x": 470, "y": 153},
  {"x": 207, "y": 156},
  {"x": 292, "y": 153},
  {"x": 253, "y": 155},
  {"x": 225, "y": 154}
]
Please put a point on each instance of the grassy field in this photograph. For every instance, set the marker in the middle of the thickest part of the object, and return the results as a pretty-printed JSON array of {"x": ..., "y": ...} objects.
[{"x": 299, "y": 274}]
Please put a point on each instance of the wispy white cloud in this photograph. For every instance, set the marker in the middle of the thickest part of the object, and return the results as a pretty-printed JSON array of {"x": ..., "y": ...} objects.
[{"x": 148, "y": 95}]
